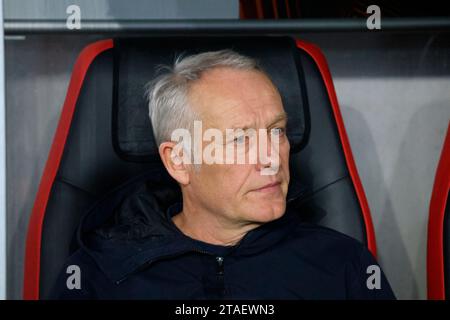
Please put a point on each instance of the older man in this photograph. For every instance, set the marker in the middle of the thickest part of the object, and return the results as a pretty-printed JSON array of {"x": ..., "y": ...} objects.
[{"x": 233, "y": 234}]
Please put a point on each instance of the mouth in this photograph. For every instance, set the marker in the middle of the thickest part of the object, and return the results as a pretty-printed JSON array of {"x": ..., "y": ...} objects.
[{"x": 268, "y": 188}]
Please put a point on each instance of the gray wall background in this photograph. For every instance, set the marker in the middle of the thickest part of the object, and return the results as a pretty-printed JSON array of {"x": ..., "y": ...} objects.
[
  {"x": 393, "y": 89},
  {"x": 123, "y": 9}
]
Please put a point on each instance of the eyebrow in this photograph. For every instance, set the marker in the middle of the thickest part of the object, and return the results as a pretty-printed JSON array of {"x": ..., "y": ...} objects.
[{"x": 282, "y": 116}]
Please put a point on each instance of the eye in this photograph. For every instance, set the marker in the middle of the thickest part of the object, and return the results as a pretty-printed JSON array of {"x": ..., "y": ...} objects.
[
  {"x": 278, "y": 131},
  {"x": 240, "y": 139}
]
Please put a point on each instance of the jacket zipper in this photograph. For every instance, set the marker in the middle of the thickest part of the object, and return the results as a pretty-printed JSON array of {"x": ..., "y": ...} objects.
[
  {"x": 219, "y": 261},
  {"x": 220, "y": 270}
]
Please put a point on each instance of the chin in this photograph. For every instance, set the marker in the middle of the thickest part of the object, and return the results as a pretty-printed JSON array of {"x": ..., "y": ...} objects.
[{"x": 266, "y": 212}]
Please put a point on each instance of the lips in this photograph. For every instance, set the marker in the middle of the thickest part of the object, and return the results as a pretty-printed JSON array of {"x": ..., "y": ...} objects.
[{"x": 269, "y": 187}]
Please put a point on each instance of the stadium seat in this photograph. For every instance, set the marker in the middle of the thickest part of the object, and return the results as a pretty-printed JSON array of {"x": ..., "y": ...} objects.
[{"x": 104, "y": 138}]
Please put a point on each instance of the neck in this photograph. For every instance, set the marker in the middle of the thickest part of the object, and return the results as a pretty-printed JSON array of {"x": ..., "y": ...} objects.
[{"x": 210, "y": 227}]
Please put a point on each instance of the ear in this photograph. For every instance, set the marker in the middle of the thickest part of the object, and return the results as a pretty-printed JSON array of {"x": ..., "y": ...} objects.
[{"x": 172, "y": 159}]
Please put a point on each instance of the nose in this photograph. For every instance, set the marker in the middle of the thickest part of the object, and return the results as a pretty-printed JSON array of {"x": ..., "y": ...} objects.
[{"x": 268, "y": 152}]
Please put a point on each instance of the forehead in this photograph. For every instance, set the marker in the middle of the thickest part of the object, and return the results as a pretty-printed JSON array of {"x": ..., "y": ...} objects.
[{"x": 226, "y": 97}]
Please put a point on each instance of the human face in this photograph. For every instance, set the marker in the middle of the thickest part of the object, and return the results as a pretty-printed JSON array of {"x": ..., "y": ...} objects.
[{"x": 226, "y": 98}]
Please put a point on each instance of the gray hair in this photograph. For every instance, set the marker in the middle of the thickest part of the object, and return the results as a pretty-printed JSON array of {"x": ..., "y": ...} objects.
[{"x": 168, "y": 103}]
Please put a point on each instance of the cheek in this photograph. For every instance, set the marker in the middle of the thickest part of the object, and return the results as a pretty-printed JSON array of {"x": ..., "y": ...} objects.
[
  {"x": 225, "y": 182},
  {"x": 284, "y": 163},
  {"x": 235, "y": 180},
  {"x": 284, "y": 156}
]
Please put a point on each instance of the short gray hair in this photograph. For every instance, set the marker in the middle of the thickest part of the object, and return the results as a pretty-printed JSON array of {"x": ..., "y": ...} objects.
[{"x": 167, "y": 94}]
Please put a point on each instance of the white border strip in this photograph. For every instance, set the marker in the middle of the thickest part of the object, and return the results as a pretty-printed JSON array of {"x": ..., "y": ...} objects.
[{"x": 2, "y": 164}]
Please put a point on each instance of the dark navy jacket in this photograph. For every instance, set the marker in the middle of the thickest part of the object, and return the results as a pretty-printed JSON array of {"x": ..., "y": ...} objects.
[{"x": 129, "y": 248}]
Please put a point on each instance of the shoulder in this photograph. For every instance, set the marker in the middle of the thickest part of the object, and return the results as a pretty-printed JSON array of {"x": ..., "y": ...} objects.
[
  {"x": 326, "y": 247},
  {"x": 340, "y": 254},
  {"x": 324, "y": 238}
]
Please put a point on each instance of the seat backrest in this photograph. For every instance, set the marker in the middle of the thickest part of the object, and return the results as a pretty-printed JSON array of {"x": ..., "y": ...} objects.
[
  {"x": 438, "y": 247},
  {"x": 104, "y": 137}
]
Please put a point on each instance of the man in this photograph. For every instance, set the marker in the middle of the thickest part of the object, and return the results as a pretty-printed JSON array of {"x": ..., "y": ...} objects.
[{"x": 233, "y": 234}]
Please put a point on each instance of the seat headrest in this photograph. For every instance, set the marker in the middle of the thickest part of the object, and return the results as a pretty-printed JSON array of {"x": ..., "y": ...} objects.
[{"x": 135, "y": 64}]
